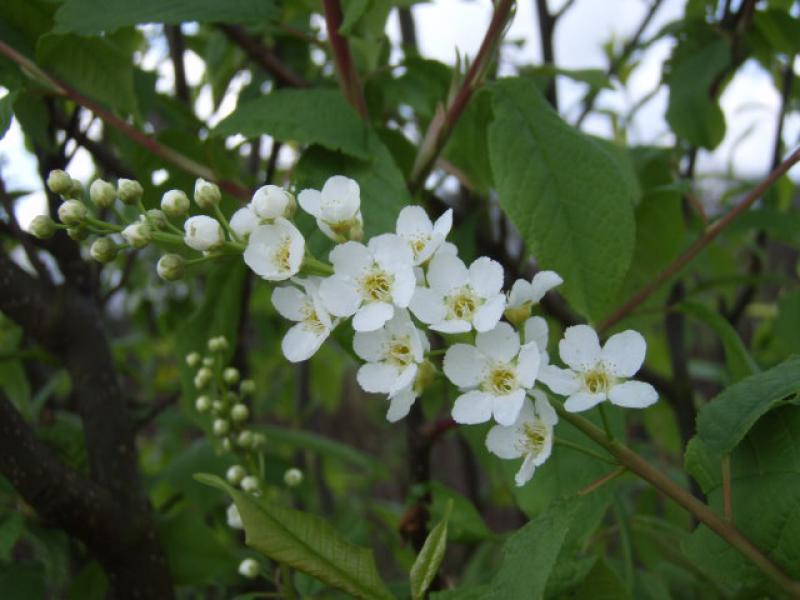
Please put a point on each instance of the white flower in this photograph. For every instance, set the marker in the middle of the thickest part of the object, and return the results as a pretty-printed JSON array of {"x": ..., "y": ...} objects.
[
  {"x": 535, "y": 332},
  {"x": 337, "y": 208},
  {"x": 530, "y": 436},
  {"x": 203, "y": 233},
  {"x": 423, "y": 237},
  {"x": 271, "y": 202},
  {"x": 314, "y": 324},
  {"x": 597, "y": 374},
  {"x": 524, "y": 294},
  {"x": 275, "y": 251},
  {"x": 495, "y": 374},
  {"x": 234, "y": 518},
  {"x": 244, "y": 221},
  {"x": 458, "y": 299},
  {"x": 393, "y": 356},
  {"x": 369, "y": 281}
]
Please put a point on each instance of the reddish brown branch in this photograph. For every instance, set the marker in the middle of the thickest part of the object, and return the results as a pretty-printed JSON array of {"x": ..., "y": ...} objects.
[
  {"x": 345, "y": 67},
  {"x": 262, "y": 56}
]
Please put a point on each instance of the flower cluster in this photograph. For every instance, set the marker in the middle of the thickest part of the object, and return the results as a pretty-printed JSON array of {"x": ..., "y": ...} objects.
[{"x": 395, "y": 291}]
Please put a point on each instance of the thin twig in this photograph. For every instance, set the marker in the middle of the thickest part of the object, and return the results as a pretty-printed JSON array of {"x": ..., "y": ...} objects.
[
  {"x": 727, "y": 501},
  {"x": 602, "y": 481},
  {"x": 547, "y": 25},
  {"x": 176, "y": 44},
  {"x": 345, "y": 67},
  {"x": 262, "y": 56},
  {"x": 23, "y": 238}
]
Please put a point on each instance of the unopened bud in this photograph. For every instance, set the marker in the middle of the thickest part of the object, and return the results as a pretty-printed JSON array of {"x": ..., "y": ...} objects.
[
  {"x": 202, "y": 404},
  {"x": 138, "y": 234},
  {"x": 218, "y": 406},
  {"x": 72, "y": 212},
  {"x": 75, "y": 190},
  {"x": 208, "y": 361},
  {"x": 245, "y": 439},
  {"x": 270, "y": 202},
  {"x": 175, "y": 203},
  {"x": 206, "y": 194},
  {"x": 235, "y": 474},
  {"x": 249, "y": 484},
  {"x": 239, "y": 413},
  {"x": 259, "y": 440},
  {"x": 231, "y": 375},
  {"x": 226, "y": 444},
  {"x": 59, "y": 182},
  {"x": 203, "y": 378},
  {"x": 156, "y": 219},
  {"x": 218, "y": 344},
  {"x": 293, "y": 477},
  {"x": 221, "y": 427},
  {"x": 103, "y": 250},
  {"x": 233, "y": 517},
  {"x": 42, "y": 227},
  {"x": 102, "y": 193},
  {"x": 247, "y": 387},
  {"x": 78, "y": 233},
  {"x": 129, "y": 191},
  {"x": 249, "y": 568},
  {"x": 193, "y": 360},
  {"x": 171, "y": 267}
]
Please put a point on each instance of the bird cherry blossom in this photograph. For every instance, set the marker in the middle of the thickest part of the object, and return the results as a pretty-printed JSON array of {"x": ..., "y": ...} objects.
[
  {"x": 494, "y": 375},
  {"x": 423, "y": 237},
  {"x": 596, "y": 374},
  {"x": 337, "y": 208},
  {"x": 313, "y": 323},
  {"x": 524, "y": 294},
  {"x": 271, "y": 201},
  {"x": 203, "y": 233},
  {"x": 393, "y": 354},
  {"x": 369, "y": 281},
  {"x": 458, "y": 298},
  {"x": 530, "y": 436},
  {"x": 244, "y": 221},
  {"x": 275, "y": 251}
]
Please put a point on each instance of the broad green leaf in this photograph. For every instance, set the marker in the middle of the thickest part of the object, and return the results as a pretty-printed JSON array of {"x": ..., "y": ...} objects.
[
  {"x": 93, "y": 66},
  {"x": 564, "y": 192},
  {"x": 479, "y": 592},
  {"x": 11, "y": 528},
  {"x": 787, "y": 323},
  {"x": 780, "y": 29},
  {"x": 740, "y": 363},
  {"x": 530, "y": 554},
  {"x": 88, "y": 17},
  {"x": 430, "y": 557},
  {"x": 6, "y": 111},
  {"x": 601, "y": 584},
  {"x": 596, "y": 78},
  {"x": 723, "y": 422},
  {"x": 314, "y": 116},
  {"x": 305, "y": 542},
  {"x": 465, "y": 523},
  {"x": 466, "y": 148},
  {"x": 697, "y": 61}
]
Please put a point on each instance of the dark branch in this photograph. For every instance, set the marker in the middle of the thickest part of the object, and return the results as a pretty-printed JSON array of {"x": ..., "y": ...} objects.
[
  {"x": 547, "y": 24},
  {"x": 262, "y": 56},
  {"x": 176, "y": 50}
]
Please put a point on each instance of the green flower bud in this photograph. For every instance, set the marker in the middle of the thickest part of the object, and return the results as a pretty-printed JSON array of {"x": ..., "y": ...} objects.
[
  {"x": 129, "y": 191},
  {"x": 75, "y": 190},
  {"x": 249, "y": 484},
  {"x": 235, "y": 474},
  {"x": 156, "y": 219},
  {"x": 42, "y": 227},
  {"x": 218, "y": 344},
  {"x": 103, "y": 250},
  {"x": 78, "y": 233},
  {"x": 231, "y": 375},
  {"x": 59, "y": 182},
  {"x": 293, "y": 477},
  {"x": 202, "y": 404},
  {"x": 72, "y": 212},
  {"x": 239, "y": 413},
  {"x": 227, "y": 446},
  {"x": 206, "y": 194},
  {"x": 102, "y": 193},
  {"x": 247, "y": 387},
  {"x": 259, "y": 440},
  {"x": 249, "y": 568},
  {"x": 245, "y": 439},
  {"x": 175, "y": 203},
  {"x": 221, "y": 427},
  {"x": 138, "y": 234},
  {"x": 218, "y": 406},
  {"x": 193, "y": 360},
  {"x": 203, "y": 378},
  {"x": 171, "y": 267}
]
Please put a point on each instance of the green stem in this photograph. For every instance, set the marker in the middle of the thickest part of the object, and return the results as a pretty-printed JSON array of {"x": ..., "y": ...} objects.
[
  {"x": 227, "y": 226},
  {"x": 606, "y": 424},
  {"x": 103, "y": 226},
  {"x": 286, "y": 583},
  {"x": 702, "y": 512},
  {"x": 586, "y": 451},
  {"x": 314, "y": 266}
]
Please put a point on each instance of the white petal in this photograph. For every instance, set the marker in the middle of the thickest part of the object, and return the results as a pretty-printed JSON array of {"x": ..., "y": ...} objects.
[
  {"x": 526, "y": 471},
  {"x": 372, "y": 316},
  {"x": 404, "y": 285},
  {"x": 486, "y": 277},
  {"x": 289, "y": 302},
  {"x": 330, "y": 233},
  {"x": 447, "y": 272},
  {"x": 371, "y": 345},
  {"x": 413, "y": 221},
  {"x": 500, "y": 344},
  {"x": 544, "y": 410},
  {"x": 580, "y": 348},
  {"x": 506, "y": 408},
  {"x": 623, "y": 353},
  {"x": 297, "y": 247},
  {"x": 464, "y": 365},
  {"x": 536, "y": 331},
  {"x": 472, "y": 407},
  {"x": 564, "y": 382},
  {"x": 583, "y": 401},
  {"x": 301, "y": 342},
  {"x": 311, "y": 202},
  {"x": 444, "y": 224},
  {"x": 377, "y": 378},
  {"x": 404, "y": 379},
  {"x": 243, "y": 222},
  {"x": 489, "y": 314},
  {"x": 350, "y": 259},
  {"x": 390, "y": 249},
  {"x": 340, "y": 296},
  {"x": 340, "y": 199},
  {"x": 543, "y": 282},
  {"x": 528, "y": 365},
  {"x": 520, "y": 293},
  {"x": 452, "y": 326},
  {"x": 428, "y": 306},
  {"x": 400, "y": 404},
  {"x": 505, "y": 442},
  {"x": 633, "y": 394}
]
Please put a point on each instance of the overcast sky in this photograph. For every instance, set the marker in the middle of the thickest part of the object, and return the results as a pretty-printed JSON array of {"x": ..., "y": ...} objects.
[{"x": 750, "y": 102}]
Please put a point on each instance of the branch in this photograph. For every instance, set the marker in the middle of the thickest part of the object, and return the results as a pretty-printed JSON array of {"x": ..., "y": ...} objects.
[
  {"x": 345, "y": 67},
  {"x": 444, "y": 121},
  {"x": 23, "y": 238},
  {"x": 700, "y": 244},
  {"x": 176, "y": 49},
  {"x": 408, "y": 30},
  {"x": 547, "y": 25},
  {"x": 262, "y": 56}
]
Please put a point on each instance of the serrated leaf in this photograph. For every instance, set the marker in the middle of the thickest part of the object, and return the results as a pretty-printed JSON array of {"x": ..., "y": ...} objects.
[
  {"x": 6, "y": 111},
  {"x": 95, "y": 16},
  {"x": 564, "y": 192},
  {"x": 314, "y": 116},
  {"x": 430, "y": 557},
  {"x": 305, "y": 542}
]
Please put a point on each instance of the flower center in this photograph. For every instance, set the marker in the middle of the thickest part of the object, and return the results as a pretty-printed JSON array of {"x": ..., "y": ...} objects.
[
  {"x": 535, "y": 437},
  {"x": 418, "y": 244},
  {"x": 282, "y": 253},
  {"x": 502, "y": 380},
  {"x": 376, "y": 285},
  {"x": 310, "y": 319},
  {"x": 463, "y": 304},
  {"x": 400, "y": 353},
  {"x": 597, "y": 382}
]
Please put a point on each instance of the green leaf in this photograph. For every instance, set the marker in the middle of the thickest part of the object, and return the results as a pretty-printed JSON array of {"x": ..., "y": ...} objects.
[
  {"x": 723, "y": 422},
  {"x": 93, "y": 66},
  {"x": 6, "y": 111},
  {"x": 95, "y": 16},
  {"x": 564, "y": 192},
  {"x": 314, "y": 116},
  {"x": 780, "y": 29},
  {"x": 696, "y": 63},
  {"x": 430, "y": 557},
  {"x": 465, "y": 523},
  {"x": 601, "y": 584},
  {"x": 466, "y": 148},
  {"x": 305, "y": 542},
  {"x": 740, "y": 363},
  {"x": 596, "y": 78}
]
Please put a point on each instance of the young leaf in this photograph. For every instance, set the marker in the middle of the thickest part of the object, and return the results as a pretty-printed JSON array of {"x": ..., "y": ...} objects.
[
  {"x": 306, "y": 543},
  {"x": 565, "y": 193},
  {"x": 430, "y": 557}
]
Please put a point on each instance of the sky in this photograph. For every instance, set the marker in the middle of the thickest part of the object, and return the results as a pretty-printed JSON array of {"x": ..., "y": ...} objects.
[{"x": 750, "y": 101}]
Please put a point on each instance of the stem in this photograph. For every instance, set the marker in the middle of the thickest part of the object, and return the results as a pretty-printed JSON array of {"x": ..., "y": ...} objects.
[
  {"x": 586, "y": 451},
  {"x": 225, "y": 225},
  {"x": 700, "y": 243},
  {"x": 345, "y": 68},
  {"x": 727, "y": 502},
  {"x": 602, "y": 481},
  {"x": 702, "y": 512},
  {"x": 314, "y": 266},
  {"x": 606, "y": 424},
  {"x": 286, "y": 583}
]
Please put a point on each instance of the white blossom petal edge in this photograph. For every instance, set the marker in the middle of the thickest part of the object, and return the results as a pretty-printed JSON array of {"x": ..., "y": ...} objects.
[
  {"x": 313, "y": 323},
  {"x": 337, "y": 208},
  {"x": 275, "y": 251},
  {"x": 423, "y": 237}
]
